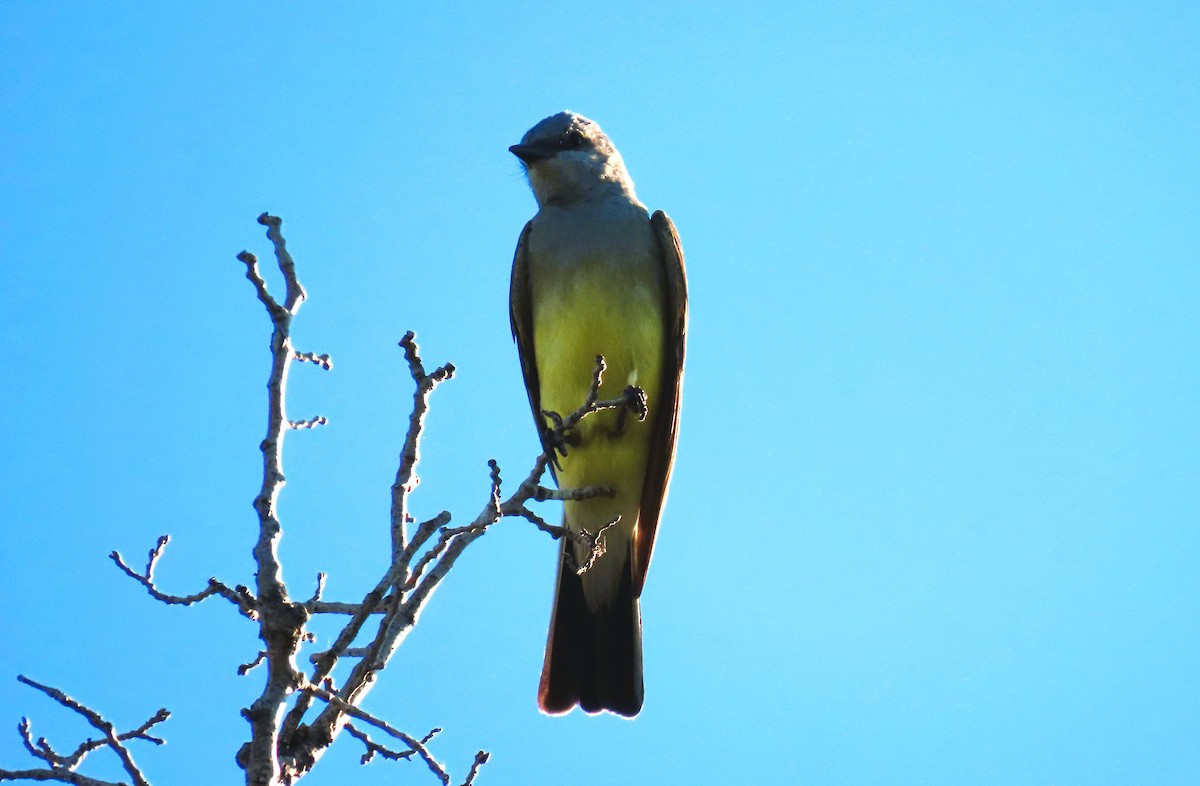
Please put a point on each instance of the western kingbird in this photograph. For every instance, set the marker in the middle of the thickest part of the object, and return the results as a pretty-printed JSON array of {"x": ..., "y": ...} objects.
[{"x": 596, "y": 274}]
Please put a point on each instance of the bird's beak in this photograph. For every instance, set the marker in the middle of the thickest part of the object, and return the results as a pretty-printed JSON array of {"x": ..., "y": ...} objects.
[{"x": 530, "y": 154}]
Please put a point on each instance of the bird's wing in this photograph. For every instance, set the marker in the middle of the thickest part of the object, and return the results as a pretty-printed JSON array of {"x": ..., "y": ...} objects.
[
  {"x": 666, "y": 429},
  {"x": 520, "y": 316}
]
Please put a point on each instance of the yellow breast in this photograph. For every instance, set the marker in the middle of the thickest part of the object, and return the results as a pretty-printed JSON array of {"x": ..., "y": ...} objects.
[{"x": 600, "y": 306}]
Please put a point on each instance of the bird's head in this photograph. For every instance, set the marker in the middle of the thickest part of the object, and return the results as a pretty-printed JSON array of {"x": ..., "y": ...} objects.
[{"x": 568, "y": 158}]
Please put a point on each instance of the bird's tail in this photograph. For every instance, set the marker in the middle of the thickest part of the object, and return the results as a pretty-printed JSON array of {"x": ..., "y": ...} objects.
[{"x": 593, "y": 658}]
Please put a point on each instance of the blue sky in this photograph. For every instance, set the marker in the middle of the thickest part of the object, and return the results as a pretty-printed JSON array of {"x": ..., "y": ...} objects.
[{"x": 936, "y": 509}]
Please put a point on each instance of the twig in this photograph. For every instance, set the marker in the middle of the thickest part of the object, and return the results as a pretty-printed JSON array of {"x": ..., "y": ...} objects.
[
  {"x": 320, "y": 589},
  {"x": 410, "y": 453},
  {"x": 481, "y": 759},
  {"x": 374, "y": 748},
  {"x": 246, "y": 668},
  {"x": 324, "y": 361},
  {"x": 418, "y": 746},
  {"x": 54, "y": 774},
  {"x": 632, "y": 400},
  {"x": 61, "y": 768},
  {"x": 319, "y": 420},
  {"x": 239, "y": 597}
]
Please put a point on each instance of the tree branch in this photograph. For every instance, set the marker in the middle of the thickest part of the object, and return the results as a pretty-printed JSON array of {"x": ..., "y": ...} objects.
[
  {"x": 239, "y": 596},
  {"x": 415, "y": 745},
  {"x": 374, "y": 748},
  {"x": 431, "y": 567},
  {"x": 62, "y": 768},
  {"x": 281, "y": 622},
  {"x": 396, "y": 580},
  {"x": 282, "y": 747},
  {"x": 410, "y": 454},
  {"x": 481, "y": 759}
]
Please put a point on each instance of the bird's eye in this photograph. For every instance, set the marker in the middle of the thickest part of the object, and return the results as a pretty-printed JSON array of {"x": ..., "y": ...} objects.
[{"x": 572, "y": 140}]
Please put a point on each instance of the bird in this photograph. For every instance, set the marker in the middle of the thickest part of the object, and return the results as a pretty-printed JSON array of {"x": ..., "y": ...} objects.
[{"x": 595, "y": 274}]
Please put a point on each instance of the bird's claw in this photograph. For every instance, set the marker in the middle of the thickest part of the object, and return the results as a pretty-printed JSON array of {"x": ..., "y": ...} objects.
[
  {"x": 556, "y": 436},
  {"x": 635, "y": 402}
]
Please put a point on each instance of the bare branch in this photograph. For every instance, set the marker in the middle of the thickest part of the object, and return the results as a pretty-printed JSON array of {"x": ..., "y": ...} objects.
[
  {"x": 319, "y": 420},
  {"x": 398, "y": 616},
  {"x": 61, "y": 768},
  {"x": 282, "y": 748},
  {"x": 246, "y": 668},
  {"x": 539, "y": 522},
  {"x": 632, "y": 400},
  {"x": 542, "y": 493},
  {"x": 139, "y": 733},
  {"x": 447, "y": 535},
  {"x": 54, "y": 774},
  {"x": 416, "y": 745},
  {"x": 295, "y": 292},
  {"x": 334, "y": 607},
  {"x": 281, "y": 622},
  {"x": 556, "y": 442},
  {"x": 594, "y": 544},
  {"x": 399, "y": 613},
  {"x": 410, "y": 455},
  {"x": 481, "y": 759},
  {"x": 374, "y": 748},
  {"x": 320, "y": 589},
  {"x": 324, "y": 361},
  {"x": 260, "y": 284},
  {"x": 347, "y": 652},
  {"x": 239, "y": 597},
  {"x": 42, "y": 749},
  {"x": 424, "y": 532}
]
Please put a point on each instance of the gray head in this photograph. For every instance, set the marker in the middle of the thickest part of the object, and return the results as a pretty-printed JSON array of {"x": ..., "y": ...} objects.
[{"x": 568, "y": 158}]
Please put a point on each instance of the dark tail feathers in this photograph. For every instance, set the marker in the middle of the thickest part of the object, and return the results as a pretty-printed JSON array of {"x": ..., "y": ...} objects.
[{"x": 593, "y": 659}]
